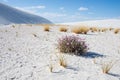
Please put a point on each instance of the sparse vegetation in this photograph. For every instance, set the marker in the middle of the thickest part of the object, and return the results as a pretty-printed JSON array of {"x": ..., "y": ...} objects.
[
  {"x": 63, "y": 29},
  {"x": 62, "y": 61},
  {"x": 116, "y": 31},
  {"x": 80, "y": 30},
  {"x": 13, "y": 26},
  {"x": 46, "y": 28},
  {"x": 94, "y": 29},
  {"x": 72, "y": 45},
  {"x": 104, "y": 29},
  {"x": 51, "y": 68},
  {"x": 111, "y": 29},
  {"x": 34, "y": 35},
  {"x": 106, "y": 67}
]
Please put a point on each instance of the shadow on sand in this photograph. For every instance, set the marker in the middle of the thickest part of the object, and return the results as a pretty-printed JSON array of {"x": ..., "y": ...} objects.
[
  {"x": 115, "y": 75},
  {"x": 72, "y": 68},
  {"x": 92, "y": 55}
]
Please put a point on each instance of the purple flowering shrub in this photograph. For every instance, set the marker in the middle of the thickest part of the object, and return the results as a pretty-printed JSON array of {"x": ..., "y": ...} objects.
[{"x": 72, "y": 45}]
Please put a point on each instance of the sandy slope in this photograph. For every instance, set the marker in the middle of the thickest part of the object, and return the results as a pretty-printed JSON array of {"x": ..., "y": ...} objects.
[
  {"x": 98, "y": 23},
  {"x": 9, "y": 15},
  {"x": 25, "y": 57}
]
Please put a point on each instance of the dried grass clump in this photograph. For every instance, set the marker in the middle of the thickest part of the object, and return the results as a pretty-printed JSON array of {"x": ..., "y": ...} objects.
[
  {"x": 62, "y": 61},
  {"x": 99, "y": 30},
  {"x": 51, "y": 68},
  {"x": 13, "y": 26},
  {"x": 116, "y": 31},
  {"x": 104, "y": 29},
  {"x": 63, "y": 29},
  {"x": 46, "y": 28},
  {"x": 34, "y": 35},
  {"x": 94, "y": 29},
  {"x": 72, "y": 45},
  {"x": 80, "y": 30},
  {"x": 106, "y": 67},
  {"x": 111, "y": 29}
]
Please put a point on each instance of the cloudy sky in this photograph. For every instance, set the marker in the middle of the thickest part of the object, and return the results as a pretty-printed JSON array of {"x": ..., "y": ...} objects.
[{"x": 69, "y": 10}]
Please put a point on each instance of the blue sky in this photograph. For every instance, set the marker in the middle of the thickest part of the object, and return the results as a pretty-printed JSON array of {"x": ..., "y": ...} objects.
[{"x": 69, "y": 10}]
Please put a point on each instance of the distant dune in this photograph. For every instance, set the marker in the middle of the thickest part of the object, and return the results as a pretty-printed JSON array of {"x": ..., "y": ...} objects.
[
  {"x": 9, "y": 15},
  {"x": 98, "y": 23}
]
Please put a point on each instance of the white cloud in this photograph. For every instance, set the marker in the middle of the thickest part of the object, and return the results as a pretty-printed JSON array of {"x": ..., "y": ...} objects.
[
  {"x": 33, "y": 11},
  {"x": 35, "y": 7},
  {"x": 83, "y": 9},
  {"x": 55, "y": 16},
  {"x": 5, "y": 0},
  {"x": 61, "y": 8},
  {"x": 52, "y": 15}
]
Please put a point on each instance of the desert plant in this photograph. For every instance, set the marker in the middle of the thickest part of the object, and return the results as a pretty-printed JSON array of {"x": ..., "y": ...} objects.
[
  {"x": 111, "y": 29},
  {"x": 13, "y": 26},
  {"x": 80, "y": 30},
  {"x": 63, "y": 29},
  {"x": 62, "y": 61},
  {"x": 106, "y": 67},
  {"x": 104, "y": 29},
  {"x": 46, "y": 28},
  {"x": 34, "y": 35},
  {"x": 116, "y": 31},
  {"x": 51, "y": 68},
  {"x": 72, "y": 45},
  {"x": 94, "y": 29},
  {"x": 50, "y": 64},
  {"x": 76, "y": 30}
]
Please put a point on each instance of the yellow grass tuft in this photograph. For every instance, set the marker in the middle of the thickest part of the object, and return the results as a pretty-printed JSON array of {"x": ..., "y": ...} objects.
[
  {"x": 80, "y": 30},
  {"x": 63, "y": 29},
  {"x": 111, "y": 29},
  {"x": 51, "y": 68},
  {"x": 104, "y": 29},
  {"x": 94, "y": 29},
  {"x": 62, "y": 61},
  {"x": 46, "y": 28},
  {"x": 106, "y": 67},
  {"x": 116, "y": 31}
]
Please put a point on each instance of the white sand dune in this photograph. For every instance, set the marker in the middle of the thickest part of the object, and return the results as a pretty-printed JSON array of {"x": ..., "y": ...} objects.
[
  {"x": 10, "y": 15},
  {"x": 25, "y": 57},
  {"x": 98, "y": 23}
]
